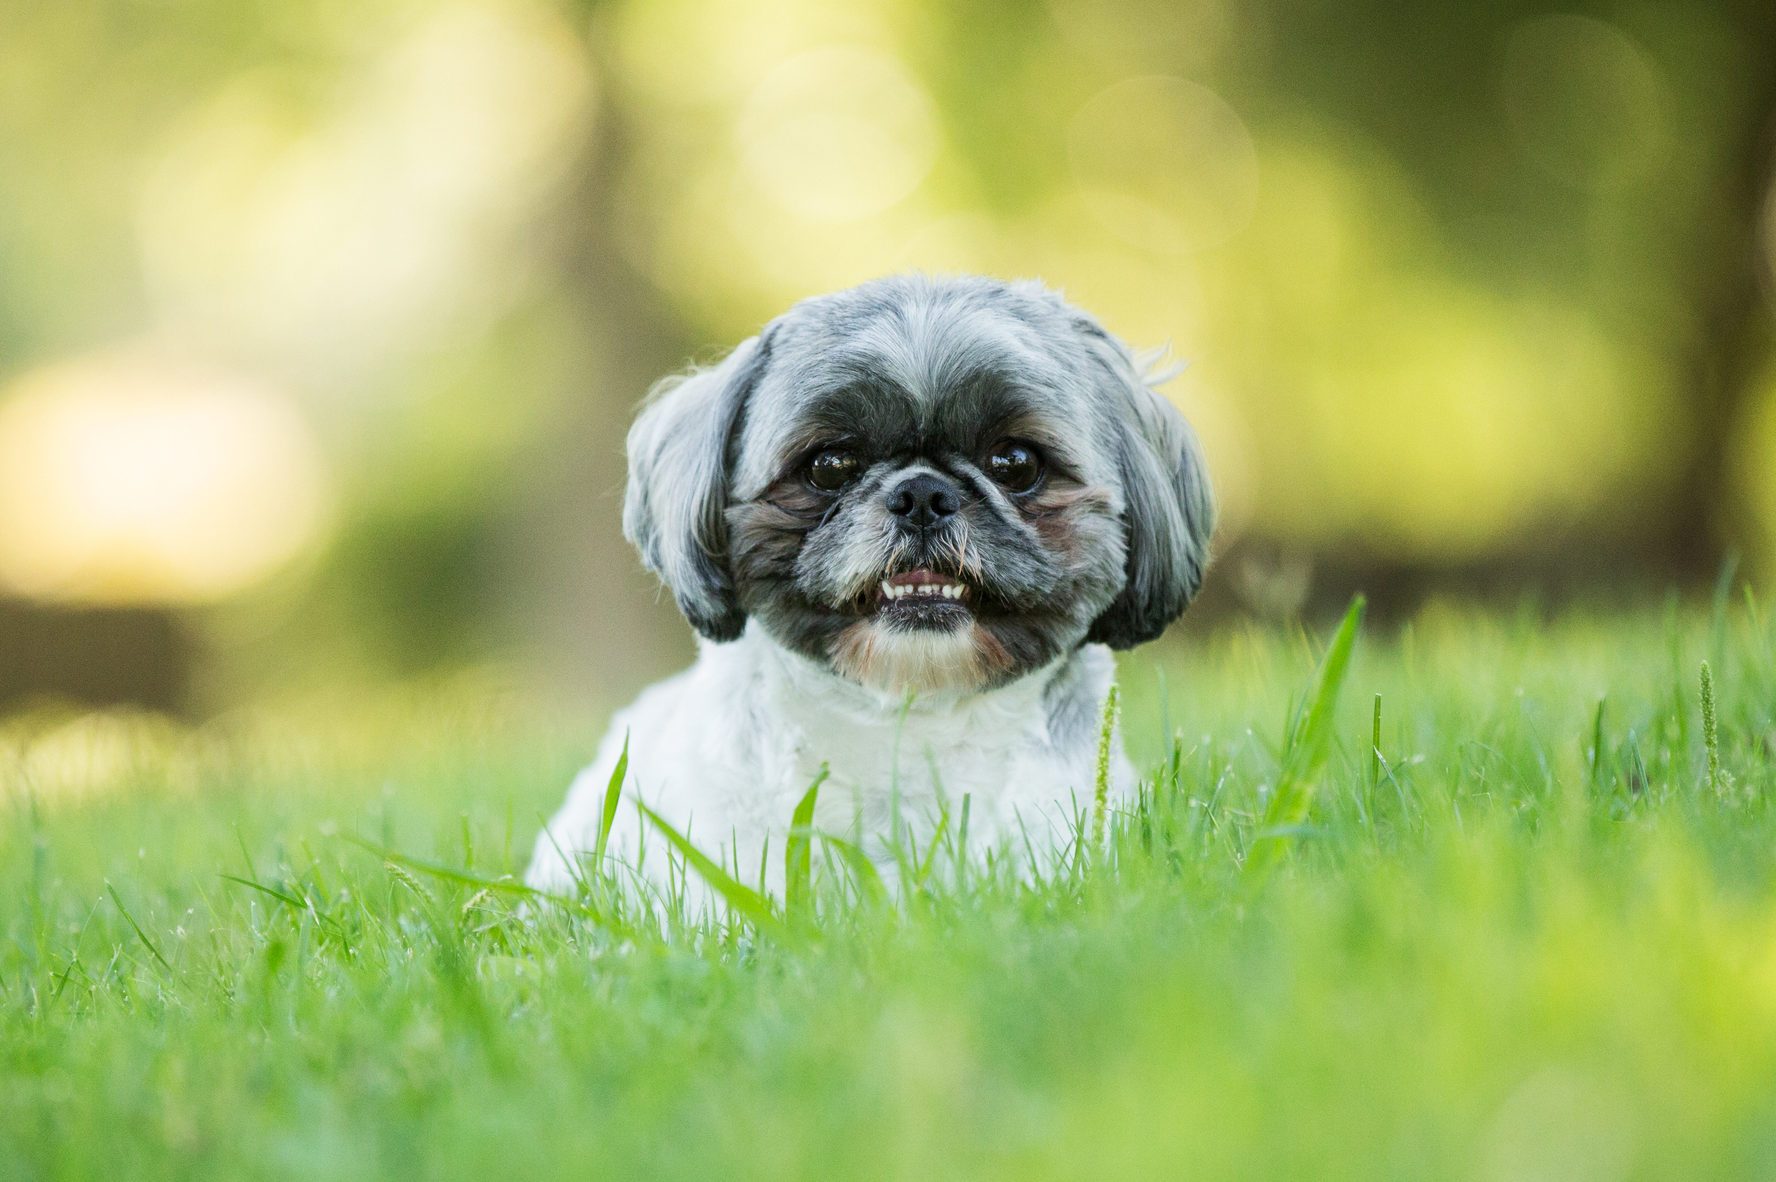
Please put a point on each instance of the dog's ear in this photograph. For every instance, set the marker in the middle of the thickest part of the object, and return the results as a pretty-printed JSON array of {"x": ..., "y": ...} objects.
[
  {"x": 679, "y": 471},
  {"x": 1169, "y": 512}
]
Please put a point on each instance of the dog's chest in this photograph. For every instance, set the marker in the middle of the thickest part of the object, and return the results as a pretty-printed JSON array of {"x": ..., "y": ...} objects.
[
  {"x": 724, "y": 753},
  {"x": 915, "y": 771},
  {"x": 998, "y": 757}
]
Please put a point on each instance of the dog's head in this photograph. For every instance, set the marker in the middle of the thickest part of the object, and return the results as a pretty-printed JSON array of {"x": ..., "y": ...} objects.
[{"x": 923, "y": 484}]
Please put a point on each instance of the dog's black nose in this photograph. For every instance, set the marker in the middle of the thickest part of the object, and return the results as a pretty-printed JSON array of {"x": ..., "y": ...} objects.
[{"x": 924, "y": 499}]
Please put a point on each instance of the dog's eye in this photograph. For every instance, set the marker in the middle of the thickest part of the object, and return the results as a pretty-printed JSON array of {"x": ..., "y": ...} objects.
[
  {"x": 832, "y": 469},
  {"x": 1014, "y": 466}
]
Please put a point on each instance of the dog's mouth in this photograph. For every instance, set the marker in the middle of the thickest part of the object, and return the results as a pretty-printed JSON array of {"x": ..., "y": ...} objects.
[
  {"x": 923, "y": 596},
  {"x": 922, "y": 584}
]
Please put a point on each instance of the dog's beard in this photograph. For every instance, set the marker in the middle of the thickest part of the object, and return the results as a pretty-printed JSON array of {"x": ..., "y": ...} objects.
[
  {"x": 975, "y": 603},
  {"x": 925, "y": 659},
  {"x": 916, "y": 598}
]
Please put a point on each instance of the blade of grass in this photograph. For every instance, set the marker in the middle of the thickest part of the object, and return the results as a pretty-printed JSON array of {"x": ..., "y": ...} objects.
[
  {"x": 939, "y": 834},
  {"x": 962, "y": 836},
  {"x": 798, "y": 851},
  {"x": 1634, "y": 766},
  {"x": 1305, "y": 755},
  {"x": 1375, "y": 746},
  {"x": 288, "y": 900},
  {"x": 1366, "y": 797},
  {"x": 500, "y": 886},
  {"x": 740, "y": 897},
  {"x": 575, "y": 870},
  {"x": 140, "y": 934},
  {"x": 612, "y": 793},
  {"x": 862, "y": 870},
  {"x": 1597, "y": 741}
]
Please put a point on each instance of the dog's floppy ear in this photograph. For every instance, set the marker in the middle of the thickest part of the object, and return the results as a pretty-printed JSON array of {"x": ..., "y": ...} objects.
[
  {"x": 679, "y": 469},
  {"x": 1170, "y": 508}
]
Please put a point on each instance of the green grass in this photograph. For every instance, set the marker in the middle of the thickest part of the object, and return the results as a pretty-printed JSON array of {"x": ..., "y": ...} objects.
[{"x": 1530, "y": 933}]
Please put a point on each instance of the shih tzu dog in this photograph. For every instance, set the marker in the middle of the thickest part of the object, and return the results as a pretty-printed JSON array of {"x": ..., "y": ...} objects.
[{"x": 909, "y": 522}]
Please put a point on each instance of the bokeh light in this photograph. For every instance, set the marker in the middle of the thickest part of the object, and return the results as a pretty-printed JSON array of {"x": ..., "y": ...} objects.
[
  {"x": 127, "y": 479},
  {"x": 1165, "y": 163},
  {"x": 1585, "y": 104},
  {"x": 837, "y": 134},
  {"x": 331, "y": 236}
]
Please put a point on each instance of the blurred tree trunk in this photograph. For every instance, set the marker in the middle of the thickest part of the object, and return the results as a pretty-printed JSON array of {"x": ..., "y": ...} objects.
[
  {"x": 1731, "y": 294},
  {"x": 593, "y": 631},
  {"x": 94, "y": 656}
]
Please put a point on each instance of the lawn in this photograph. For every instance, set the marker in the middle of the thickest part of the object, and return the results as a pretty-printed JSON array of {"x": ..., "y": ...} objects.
[{"x": 1530, "y": 933}]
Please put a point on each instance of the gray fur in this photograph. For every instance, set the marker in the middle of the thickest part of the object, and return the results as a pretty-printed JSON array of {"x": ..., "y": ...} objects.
[
  {"x": 1171, "y": 507},
  {"x": 679, "y": 485},
  {"x": 914, "y": 372}
]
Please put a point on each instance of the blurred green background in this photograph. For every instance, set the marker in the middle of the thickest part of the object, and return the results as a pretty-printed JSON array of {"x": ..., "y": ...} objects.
[{"x": 321, "y": 320}]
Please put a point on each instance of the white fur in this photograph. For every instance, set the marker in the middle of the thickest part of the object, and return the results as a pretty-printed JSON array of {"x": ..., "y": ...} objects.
[{"x": 724, "y": 750}]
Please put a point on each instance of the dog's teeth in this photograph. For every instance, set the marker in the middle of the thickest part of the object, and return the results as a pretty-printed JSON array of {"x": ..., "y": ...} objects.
[{"x": 892, "y": 591}]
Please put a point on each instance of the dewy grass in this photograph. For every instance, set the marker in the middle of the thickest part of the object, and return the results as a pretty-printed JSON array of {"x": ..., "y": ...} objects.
[{"x": 1515, "y": 935}]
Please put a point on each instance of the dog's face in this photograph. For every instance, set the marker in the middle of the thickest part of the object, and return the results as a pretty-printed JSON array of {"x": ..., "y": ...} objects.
[{"x": 923, "y": 484}]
